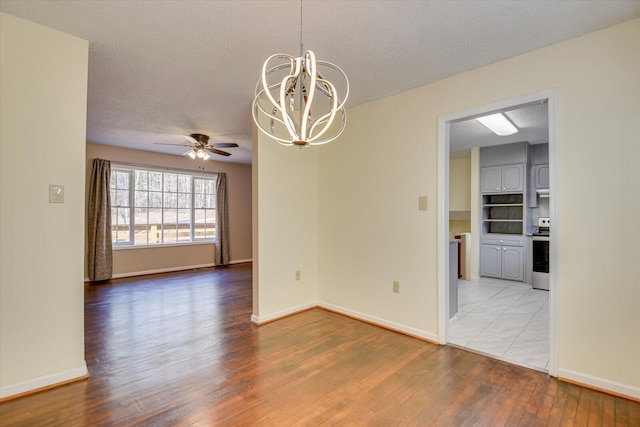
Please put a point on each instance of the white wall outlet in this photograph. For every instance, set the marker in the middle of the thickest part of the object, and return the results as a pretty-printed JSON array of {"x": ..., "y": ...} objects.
[
  {"x": 297, "y": 274},
  {"x": 56, "y": 194},
  {"x": 423, "y": 203},
  {"x": 396, "y": 287}
]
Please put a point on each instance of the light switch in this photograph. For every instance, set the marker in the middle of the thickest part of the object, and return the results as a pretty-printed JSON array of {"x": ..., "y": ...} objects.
[
  {"x": 422, "y": 203},
  {"x": 56, "y": 194}
]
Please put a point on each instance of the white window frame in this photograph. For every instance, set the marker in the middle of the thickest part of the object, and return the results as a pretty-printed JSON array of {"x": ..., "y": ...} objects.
[{"x": 193, "y": 176}]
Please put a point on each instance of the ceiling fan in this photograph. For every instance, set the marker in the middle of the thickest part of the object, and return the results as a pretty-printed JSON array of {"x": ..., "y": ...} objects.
[{"x": 200, "y": 147}]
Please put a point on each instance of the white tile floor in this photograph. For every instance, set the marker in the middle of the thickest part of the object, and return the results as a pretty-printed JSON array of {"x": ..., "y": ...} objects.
[{"x": 503, "y": 319}]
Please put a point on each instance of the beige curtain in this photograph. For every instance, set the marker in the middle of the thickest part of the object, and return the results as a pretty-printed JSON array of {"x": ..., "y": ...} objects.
[
  {"x": 99, "y": 222},
  {"x": 222, "y": 222}
]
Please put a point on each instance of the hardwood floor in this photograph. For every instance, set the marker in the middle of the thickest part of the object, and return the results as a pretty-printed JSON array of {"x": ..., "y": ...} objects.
[{"x": 179, "y": 349}]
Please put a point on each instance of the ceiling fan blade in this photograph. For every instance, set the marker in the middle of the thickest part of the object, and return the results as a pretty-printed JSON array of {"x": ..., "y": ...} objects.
[
  {"x": 175, "y": 145},
  {"x": 191, "y": 139},
  {"x": 219, "y": 152},
  {"x": 225, "y": 145}
]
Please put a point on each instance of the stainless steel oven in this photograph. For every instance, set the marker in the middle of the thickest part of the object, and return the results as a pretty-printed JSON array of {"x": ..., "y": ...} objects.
[{"x": 541, "y": 255}]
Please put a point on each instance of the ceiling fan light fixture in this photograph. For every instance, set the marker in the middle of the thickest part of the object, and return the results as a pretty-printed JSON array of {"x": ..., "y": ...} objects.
[
  {"x": 191, "y": 153},
  {"x": 206, "y": 156},
  {"x": 499, "y": 124}
]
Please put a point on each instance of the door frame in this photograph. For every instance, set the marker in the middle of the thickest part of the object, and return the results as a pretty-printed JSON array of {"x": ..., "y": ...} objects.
[{"x": 551, "y": 95}]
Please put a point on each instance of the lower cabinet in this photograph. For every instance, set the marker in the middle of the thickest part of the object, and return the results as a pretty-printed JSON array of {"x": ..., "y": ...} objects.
[{"x": 503, "y": 262}]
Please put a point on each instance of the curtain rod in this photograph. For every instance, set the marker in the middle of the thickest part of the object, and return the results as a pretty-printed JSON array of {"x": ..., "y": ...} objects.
[{"x": 167, "y": 168}]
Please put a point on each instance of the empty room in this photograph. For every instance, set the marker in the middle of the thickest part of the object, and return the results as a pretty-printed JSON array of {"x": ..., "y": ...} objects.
[{"x": 302, "y": 213}]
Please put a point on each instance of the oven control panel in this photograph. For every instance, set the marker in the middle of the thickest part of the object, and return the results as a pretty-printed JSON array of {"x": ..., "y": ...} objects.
[{"x": 543, "y": 222}]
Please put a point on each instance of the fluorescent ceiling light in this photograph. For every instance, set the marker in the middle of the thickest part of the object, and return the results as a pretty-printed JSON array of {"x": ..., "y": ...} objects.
[{"x": 498, "y": 124}]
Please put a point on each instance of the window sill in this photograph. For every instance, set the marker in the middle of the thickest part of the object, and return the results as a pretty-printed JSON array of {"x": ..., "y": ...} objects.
[{"x": 164, "y": 245}]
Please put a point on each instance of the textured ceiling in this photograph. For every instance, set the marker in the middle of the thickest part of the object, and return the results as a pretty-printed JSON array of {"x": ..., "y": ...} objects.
[
  {"x": 531, "y": 120},
  {"x": 160, "y": 69}
]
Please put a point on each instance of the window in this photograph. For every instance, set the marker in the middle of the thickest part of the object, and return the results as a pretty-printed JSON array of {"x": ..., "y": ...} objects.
[{"x": 150, "y": 207}]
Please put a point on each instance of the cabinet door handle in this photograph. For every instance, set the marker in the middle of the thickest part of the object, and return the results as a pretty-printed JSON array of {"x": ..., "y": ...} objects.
[
  {"x": 504, "y": 249},
  {"x": 498, "y": 248},
  {"x": 498, "y": 189}
]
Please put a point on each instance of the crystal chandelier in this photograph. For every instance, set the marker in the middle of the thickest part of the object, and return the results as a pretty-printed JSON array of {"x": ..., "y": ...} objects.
[{"x": 296, "y": 104}]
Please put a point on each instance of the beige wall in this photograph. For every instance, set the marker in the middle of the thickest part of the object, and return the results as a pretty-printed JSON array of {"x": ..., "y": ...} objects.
[
  {"x": 286, "y": 228},
  {"x": 371, "y": 232},
  {"x": 136, "y": 260},
  {"x": 43, "y": 98},
  {"x": 460, "y": 184}
]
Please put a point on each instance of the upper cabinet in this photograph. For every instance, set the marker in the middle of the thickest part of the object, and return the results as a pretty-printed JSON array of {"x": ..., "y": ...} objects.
[
  {"x": 541, "y": 176},
  {"x": 502, "y": 179}
]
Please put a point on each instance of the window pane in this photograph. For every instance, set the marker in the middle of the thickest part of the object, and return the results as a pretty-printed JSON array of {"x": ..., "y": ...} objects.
[
  {"x": 140, "y": 235},
  {"x": 112, "y": 180},
  {"x": 170, "y": 200},
  {"x": 198, "y": 185},
  {"x": 155, "y": 199},
  {"x": 142, "y": 180},
  {"x": 122, "y": 180},
  {"x": 155, "y": 181},
  {"x": 184, "y": 183},
  {"x": 122, "y": 198},
  {"x": 170, "y": 182},
  {"x": 155, "y": 225},
  {"x": 169, "y": 226},
  {"x": 210, "y": 216},
  {"x": 199, "y": 225},
  {"x": 142, "y": 198},
  {"x": 141, "y": 216},
  {"x": 155, "y": 216},
  {"x": 184, "y": 201},
  {"x": 198, "y": 201},
  {"x": 121, "y": 220},
  {"x": 184, "y": 225}
]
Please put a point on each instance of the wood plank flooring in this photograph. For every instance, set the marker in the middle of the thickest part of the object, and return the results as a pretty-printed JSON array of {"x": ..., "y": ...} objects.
[{"x": 178, "y": 349}]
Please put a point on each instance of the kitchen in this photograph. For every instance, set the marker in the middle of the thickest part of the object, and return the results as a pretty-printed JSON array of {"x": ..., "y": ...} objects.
[{"x": 503, "y": 233}]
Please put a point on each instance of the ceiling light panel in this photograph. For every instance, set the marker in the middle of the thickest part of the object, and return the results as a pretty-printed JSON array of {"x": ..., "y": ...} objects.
[{"x": 498, "y": 124}]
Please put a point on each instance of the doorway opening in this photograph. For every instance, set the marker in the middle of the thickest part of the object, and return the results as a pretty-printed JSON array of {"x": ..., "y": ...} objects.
[{"x": 486, "y": 285}]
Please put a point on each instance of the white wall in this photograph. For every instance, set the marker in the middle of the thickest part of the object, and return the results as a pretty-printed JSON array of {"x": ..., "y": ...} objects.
[
  {"x": 371, "y": 233},
  {"x": 285, "y": 228},
  {"x": 43, "y": 100}
]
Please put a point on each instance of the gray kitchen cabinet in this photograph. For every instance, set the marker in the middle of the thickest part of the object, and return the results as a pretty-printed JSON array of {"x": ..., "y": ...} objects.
[
  {"x": 502, "y": 262},
  {"x": 491, "y": 265},
  {"x": 502, "y": 179},
  {"x": 513, "y": 263},
  {"x": 541, "y": 176}
]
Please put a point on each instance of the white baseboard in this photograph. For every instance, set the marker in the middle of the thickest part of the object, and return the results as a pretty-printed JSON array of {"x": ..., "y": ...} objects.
[
  {"x": 259, "y": 320},
  {"x": 407, "y": 330},
  {"x": 599, "y": 384},
  {"x": 171, "y": 269},
  {"x": 161, "y": 270},
  {"x": 44, "y": 381}
]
